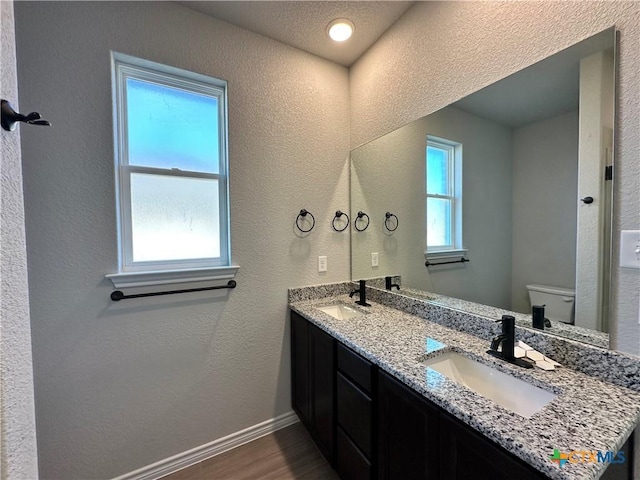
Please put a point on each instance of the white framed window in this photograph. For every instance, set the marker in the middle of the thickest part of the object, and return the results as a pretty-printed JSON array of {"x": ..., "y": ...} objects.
[
  {"x": 444, "y": 196},
  {"x": 170, "y": 133}
]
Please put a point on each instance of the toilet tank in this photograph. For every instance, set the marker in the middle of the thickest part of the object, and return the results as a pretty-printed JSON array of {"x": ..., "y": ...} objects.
[{"x": 559, "y": 302}]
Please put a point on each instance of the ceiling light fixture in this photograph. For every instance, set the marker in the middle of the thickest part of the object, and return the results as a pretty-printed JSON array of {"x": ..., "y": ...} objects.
[{"x": 340, "y": 29}]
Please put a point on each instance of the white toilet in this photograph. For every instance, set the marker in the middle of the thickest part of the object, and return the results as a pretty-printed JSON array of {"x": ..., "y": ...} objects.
[{"x": 559, "y": 302}]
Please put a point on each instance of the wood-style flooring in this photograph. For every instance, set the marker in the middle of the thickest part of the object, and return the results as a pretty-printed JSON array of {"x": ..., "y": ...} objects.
[{"x": 285, "y": 454}]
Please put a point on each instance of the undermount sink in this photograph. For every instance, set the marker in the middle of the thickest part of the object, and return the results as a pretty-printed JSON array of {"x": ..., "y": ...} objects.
[
  {"x": 510, "y": 392},
  {"x": 340, "y": 311}
]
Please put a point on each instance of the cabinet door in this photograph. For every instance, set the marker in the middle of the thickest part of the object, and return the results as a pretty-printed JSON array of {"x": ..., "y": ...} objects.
[
  {"x": 322, "y": 364},
  {"x": 408, "y": 433},
  {"x": 300, "y": 375},
  {"x": 466, "y": 455}
]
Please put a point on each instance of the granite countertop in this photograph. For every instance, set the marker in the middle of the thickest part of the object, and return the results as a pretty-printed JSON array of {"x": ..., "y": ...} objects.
[
  {"x": 574, "y": 332},
  {"x": 588, "y": 414}
]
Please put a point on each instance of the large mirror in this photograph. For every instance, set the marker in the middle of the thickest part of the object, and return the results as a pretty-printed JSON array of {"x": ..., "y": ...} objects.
[{"x": 504, "y": 193}]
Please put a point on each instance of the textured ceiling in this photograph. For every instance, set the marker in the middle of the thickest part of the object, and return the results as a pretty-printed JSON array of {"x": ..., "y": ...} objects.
[{"x": 302, "y": 24}]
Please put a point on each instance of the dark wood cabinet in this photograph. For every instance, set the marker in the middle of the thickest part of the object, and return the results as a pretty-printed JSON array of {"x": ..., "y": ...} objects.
[
  {"x": 322, "y": 393},
  {"x": 351, "y": 463},
  {"x": 355, "y": 408},
  {"x": 467, "y": 455},
  {"x": 313, "y": 382},
  {"x": 370, "y": 425},
  {"x": 408, "y": 433},
  {"x": 300, "y": 369},
  {"x": 361, "y": 371},
  {"x": 355, "y": 413}
]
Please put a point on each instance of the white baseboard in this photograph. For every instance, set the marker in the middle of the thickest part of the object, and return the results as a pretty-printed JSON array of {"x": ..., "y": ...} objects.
[{"x": 191, "y": 457}]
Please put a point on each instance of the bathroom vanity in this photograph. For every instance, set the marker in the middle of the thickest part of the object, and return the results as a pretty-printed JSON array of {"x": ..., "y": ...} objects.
[
  {"x": 381, "y": 425},
  {"x": 361, "y": 387}
]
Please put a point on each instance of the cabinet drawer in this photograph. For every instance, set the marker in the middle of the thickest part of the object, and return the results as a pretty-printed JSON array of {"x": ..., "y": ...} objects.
[
  {"x": 355, "y": 413},
  {"x": 355, "y": 367},
  {"x": 351, "y": 464}
]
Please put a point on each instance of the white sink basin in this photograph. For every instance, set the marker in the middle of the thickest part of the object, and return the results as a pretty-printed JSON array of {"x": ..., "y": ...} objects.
[
  {"x": 340, "y": 311},
  {"x": 510, "y": 392}
]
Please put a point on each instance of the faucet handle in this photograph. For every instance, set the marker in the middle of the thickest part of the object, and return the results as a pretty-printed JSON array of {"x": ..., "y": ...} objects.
[
  {"x": 537, "y": 316},
  {"x": 506, "y": 319},
  {"x": 495, "y": 342},
  {"x": 508, "y": 323}
]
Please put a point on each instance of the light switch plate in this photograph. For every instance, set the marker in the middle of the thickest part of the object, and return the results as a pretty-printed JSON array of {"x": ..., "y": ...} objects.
[
  {"x": 322, "y": 263},
  {"x": 630, "y": 248},
  {"x": 374, "y": 259}
]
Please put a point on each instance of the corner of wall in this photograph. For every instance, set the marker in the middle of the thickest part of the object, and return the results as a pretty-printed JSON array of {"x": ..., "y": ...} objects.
[{"x": 17, "y": 411}]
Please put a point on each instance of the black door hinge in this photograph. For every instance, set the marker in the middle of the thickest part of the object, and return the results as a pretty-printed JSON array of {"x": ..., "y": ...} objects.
[{"x": 608, "y": 172}]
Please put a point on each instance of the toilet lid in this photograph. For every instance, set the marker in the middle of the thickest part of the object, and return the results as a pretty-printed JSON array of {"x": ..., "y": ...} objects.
[{"x": 552, "y": 290}]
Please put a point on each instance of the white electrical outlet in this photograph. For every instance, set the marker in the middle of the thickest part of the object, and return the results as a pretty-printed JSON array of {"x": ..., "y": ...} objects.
[
  {"x": 374, "y": 259},
  {"x": 322, "y": 263},
  {"x": 630, "y": 248}
]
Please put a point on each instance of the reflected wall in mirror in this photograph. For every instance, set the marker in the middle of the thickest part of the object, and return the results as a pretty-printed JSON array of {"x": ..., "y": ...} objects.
[{"x": 526, "y": 152}]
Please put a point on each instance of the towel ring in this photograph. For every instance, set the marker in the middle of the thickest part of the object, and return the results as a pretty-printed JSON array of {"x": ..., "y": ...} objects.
[
  {"x": 387, "y": 217},
  {"x": 339, "y": 214},
  {"x": 303, "y": 213},
  {"x": 360, "y": 215}
]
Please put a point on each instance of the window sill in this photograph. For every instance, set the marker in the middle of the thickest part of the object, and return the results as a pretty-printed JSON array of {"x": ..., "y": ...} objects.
[
  {"x": 457, "y": 253},
  {"x": 171, "y": 277}
]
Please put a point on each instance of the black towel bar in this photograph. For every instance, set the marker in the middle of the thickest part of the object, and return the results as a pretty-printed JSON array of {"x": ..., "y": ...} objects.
[
  {"x": 117, "y": 295},
  {"x": 429, "y": 264}
]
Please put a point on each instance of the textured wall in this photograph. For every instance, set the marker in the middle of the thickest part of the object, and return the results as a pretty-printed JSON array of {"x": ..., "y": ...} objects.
[
  {"x": 17, "y": 415},
  {"x": 120, "y": 386},
  {"x": 545, "y": 178},
  {"x": 422, "y": 64}
]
